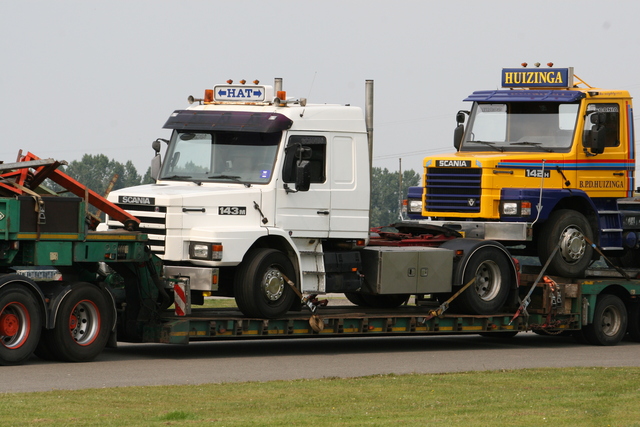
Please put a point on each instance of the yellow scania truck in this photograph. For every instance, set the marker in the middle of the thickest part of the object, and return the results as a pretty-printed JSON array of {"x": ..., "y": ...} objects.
[{"x": 544, "y": 165}]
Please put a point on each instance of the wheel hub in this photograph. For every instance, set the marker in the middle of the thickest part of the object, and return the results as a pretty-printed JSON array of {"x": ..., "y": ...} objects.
[
  {"x": 273, "y": 285},
  {"x": 611, "y": 321},
  {"x": 9, "y": 325},
  {"x": 84, "y": 322},
  {"x": 488, "y": 280},
  {"x": 573, "y": 245}
]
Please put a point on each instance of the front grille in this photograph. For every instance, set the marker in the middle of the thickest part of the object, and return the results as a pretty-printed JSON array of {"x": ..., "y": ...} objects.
[
  {"x": 453, "y": 189},
  {"x": 152, "y": 222}
]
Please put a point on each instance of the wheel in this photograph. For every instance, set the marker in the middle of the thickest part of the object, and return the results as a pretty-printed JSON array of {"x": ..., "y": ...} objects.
[
  {"x": 574, "y": 256},
  {"x": 20, "y": 324},
  {"x": 609, "y": 322},
  {"x": 260, "y": 289},
  {"x": 82, "y": 325},
  {"x": 356, "y": 298},
  {"x": 490, "y": 267},
  {"x": 385, "y": 301},
  {"x": 633, "y": 327}
]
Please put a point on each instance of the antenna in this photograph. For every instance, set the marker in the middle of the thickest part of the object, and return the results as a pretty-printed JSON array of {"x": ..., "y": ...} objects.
[{"x": 312, "y": 82}]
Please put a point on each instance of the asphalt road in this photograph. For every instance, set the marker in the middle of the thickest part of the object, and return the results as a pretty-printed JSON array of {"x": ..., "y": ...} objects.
[{"x": 285, "y": 359}]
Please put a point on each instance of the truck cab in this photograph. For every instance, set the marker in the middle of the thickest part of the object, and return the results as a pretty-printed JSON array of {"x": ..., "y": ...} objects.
[
  {"x": 254, "y": 188},
  {"x": 541, "y": 163}
]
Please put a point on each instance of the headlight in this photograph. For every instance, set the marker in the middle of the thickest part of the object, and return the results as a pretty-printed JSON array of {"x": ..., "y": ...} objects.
[
  {"x": 206, "y": 251},
  {"x": 516, "y": 208},
  {"x": 415, "y": 205}
]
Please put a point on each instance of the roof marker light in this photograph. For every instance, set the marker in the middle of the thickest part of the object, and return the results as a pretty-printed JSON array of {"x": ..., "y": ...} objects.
[
  {"x": 524, "y": 64},
  {"x": 229, "y": 81},
  {"x": 243, "y": 81}
]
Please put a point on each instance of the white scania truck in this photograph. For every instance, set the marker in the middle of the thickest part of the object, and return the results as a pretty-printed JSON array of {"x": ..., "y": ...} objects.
[{"x": 257, "y": 189}]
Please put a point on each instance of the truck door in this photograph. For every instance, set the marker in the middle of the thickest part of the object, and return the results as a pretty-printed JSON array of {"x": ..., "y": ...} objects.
[
  {"x": 305, "y": 213},
  {"x": 606, "y": 174},
  {"x": 349, "y": 187}
]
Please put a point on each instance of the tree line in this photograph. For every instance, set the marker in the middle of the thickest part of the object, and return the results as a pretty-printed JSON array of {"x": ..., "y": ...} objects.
[{"x": 97, "y": 171}]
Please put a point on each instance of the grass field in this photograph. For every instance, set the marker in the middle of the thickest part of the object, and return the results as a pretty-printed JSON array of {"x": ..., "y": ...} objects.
[{"x": 530, "y": 397}]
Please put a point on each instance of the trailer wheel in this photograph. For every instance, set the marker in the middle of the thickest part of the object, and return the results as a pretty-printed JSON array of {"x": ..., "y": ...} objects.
[
  {"x": 609, "y": 322},
  {"x": 488, "y": 294},
  {"x": 570, "y": 228},
  {"x": 260, "y": 289},
  {"x": 82, "y": 325},
  {"x": 20, "y": 324}
]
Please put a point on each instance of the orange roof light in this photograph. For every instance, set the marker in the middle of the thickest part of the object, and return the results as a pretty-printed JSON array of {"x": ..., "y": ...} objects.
[{"x": 208, "y": 95}]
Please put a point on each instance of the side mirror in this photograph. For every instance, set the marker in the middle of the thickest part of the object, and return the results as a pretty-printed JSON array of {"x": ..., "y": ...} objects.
[
  {"x": 303, "y": 152},
  {"x": 303, "y": 175},
  {"x": 459, "y": 131},
  {"x": 597, "y": 136},
  {"x": 156, "y": 162},
  {"x": 457, "y": 136}
]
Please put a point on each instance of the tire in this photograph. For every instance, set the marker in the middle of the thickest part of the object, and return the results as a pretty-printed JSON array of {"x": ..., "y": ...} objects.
[
  {"x": 609, "y": 322},
  {"x": 20, "y": 324},
  {"x": 82, "y": 325},
  {"x": 356, "y": 298},
  {"x": 633, "y": 325},
  {"x": 259, "y": 287},
  {"x": 490, "y": 267},
  {"x": 574, "y": 255},
  {"x": 385, "y": 301}
]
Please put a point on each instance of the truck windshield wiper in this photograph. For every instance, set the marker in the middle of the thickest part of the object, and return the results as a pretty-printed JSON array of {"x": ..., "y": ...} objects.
[
  {"x": 233, "y": 177},
  {"x": 176, "y": 177},
  {"x": 489, "y": 144},
  {"x": 533, "y": 144}
]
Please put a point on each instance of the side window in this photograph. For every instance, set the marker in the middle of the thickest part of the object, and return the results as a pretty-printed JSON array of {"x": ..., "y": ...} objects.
[
  {"x": 607, "y": 116},
  {"x": 317, "y": 157}
]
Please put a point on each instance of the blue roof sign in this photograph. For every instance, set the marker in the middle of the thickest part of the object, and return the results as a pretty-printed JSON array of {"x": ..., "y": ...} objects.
[
  {"x": 241, "y": 93},
  {"x": 537, "y": 77}
]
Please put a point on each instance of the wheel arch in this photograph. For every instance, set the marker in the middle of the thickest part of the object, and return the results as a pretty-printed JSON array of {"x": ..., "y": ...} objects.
[
  {"x": 470, "y": 247},
  {"x": 618, "y": 290},
  {"x": 283, "y": 245},
  {"x": 62, "y": 292},
  {"x": 31, "y": 287},
  {"x": 580, "y": 203}
]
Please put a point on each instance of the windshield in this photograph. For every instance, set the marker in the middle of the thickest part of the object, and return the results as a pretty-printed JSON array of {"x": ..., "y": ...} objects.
[
  {"x": 245, "y": 157},
  {"x": 521, "y": 126}
]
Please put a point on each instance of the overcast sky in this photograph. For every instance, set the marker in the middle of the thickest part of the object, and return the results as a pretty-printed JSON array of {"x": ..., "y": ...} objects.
[{"x": 102, "y": 77}]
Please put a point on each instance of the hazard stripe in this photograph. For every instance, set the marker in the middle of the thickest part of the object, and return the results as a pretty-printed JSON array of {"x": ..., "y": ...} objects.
[{"x": 180, "y": 299}]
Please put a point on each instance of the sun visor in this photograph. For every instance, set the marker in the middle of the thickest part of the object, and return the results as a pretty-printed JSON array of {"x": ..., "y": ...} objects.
[
  {"x": 234, "y": 121},
  {"x": 525, "y": 96}
]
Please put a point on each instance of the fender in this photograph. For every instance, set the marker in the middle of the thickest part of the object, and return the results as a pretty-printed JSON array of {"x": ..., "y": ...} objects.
[
  {"x": 8, "y": 279},
  {"x": 471, "y": 246},
  {"x": 61, "y": 290}
]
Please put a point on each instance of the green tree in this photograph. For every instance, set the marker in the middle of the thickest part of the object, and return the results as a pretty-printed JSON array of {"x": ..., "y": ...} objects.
[
  {"x": 386, "y": 195},
  {"x": 96, "y": 172}
]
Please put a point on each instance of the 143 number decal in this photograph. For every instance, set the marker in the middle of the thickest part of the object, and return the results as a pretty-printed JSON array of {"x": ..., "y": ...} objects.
[{"x": 232, "y": 210}]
